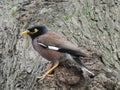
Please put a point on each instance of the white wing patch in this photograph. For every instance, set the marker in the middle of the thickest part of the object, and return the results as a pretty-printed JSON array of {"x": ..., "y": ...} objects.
[
  {"x": 43, "y": 45},
  {"x": 53, "y": 48},
  {"x": 49, "y": 47}
]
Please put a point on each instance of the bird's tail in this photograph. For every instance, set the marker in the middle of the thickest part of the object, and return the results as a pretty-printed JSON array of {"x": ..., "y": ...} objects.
[{"x": 83, "y": 67}]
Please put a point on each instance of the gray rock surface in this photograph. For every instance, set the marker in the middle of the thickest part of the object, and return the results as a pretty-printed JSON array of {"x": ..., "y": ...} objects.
[{"x": 93, "y": 25}]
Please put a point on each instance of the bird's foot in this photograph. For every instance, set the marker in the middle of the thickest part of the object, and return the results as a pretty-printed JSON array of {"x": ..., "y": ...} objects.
[
  {"x": 48, "y": 71},
  {"x": 41, "y": 77},
  {"x": 44, "y": 76}
]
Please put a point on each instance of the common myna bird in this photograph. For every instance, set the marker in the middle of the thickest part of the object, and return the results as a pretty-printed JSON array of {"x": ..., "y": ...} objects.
[{"x": 54, "y": 48}]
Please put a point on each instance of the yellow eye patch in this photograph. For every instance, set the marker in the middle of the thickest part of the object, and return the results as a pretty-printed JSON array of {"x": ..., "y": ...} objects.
[{"x": 35, "y": 30}]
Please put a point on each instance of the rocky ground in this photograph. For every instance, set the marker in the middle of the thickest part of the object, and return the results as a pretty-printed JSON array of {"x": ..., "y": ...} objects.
[{"x": 72, "y": 20}]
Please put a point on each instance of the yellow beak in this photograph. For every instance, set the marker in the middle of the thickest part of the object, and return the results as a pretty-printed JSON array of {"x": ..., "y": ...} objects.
[{"x": 26, "y": 32}]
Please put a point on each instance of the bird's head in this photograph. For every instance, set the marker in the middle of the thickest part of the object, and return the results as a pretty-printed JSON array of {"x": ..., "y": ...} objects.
[{"x": 35, "y": 31}]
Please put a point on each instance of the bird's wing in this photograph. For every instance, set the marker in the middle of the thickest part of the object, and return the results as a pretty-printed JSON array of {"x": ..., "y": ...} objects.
[{"x": 57, "y": 43}]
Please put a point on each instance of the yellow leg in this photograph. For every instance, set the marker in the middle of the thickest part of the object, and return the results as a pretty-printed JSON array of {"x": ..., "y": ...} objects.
[
  {"x": 48, "y": 71},
  {"x": 48, "y": 67}
]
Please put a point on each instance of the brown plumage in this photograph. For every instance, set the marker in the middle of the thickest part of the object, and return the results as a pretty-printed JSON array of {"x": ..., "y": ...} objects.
[{"x": 54, "y": 48}]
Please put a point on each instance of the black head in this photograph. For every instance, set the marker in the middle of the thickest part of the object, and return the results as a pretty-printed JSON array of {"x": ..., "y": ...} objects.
[{"x": 35, "y": 31}]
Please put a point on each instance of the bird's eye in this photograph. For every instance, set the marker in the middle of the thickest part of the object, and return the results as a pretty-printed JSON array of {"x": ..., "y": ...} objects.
[{"x": 35, "y": 30}]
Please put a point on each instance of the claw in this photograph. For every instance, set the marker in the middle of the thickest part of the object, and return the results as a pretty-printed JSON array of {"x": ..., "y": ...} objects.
[
  {"x": 41, "y": 77},
  {"x": 44, "y": 76}
]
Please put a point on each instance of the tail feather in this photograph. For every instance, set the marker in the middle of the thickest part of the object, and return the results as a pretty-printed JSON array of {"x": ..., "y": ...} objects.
[
  {"x": 83, "y": 67},
  {"x": 88, "y": 71}
]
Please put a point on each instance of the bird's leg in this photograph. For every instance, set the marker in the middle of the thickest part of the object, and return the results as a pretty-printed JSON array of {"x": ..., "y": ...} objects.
[
  {"x": 48, "y": 71},
  {"x": 48, "y": 67}
]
